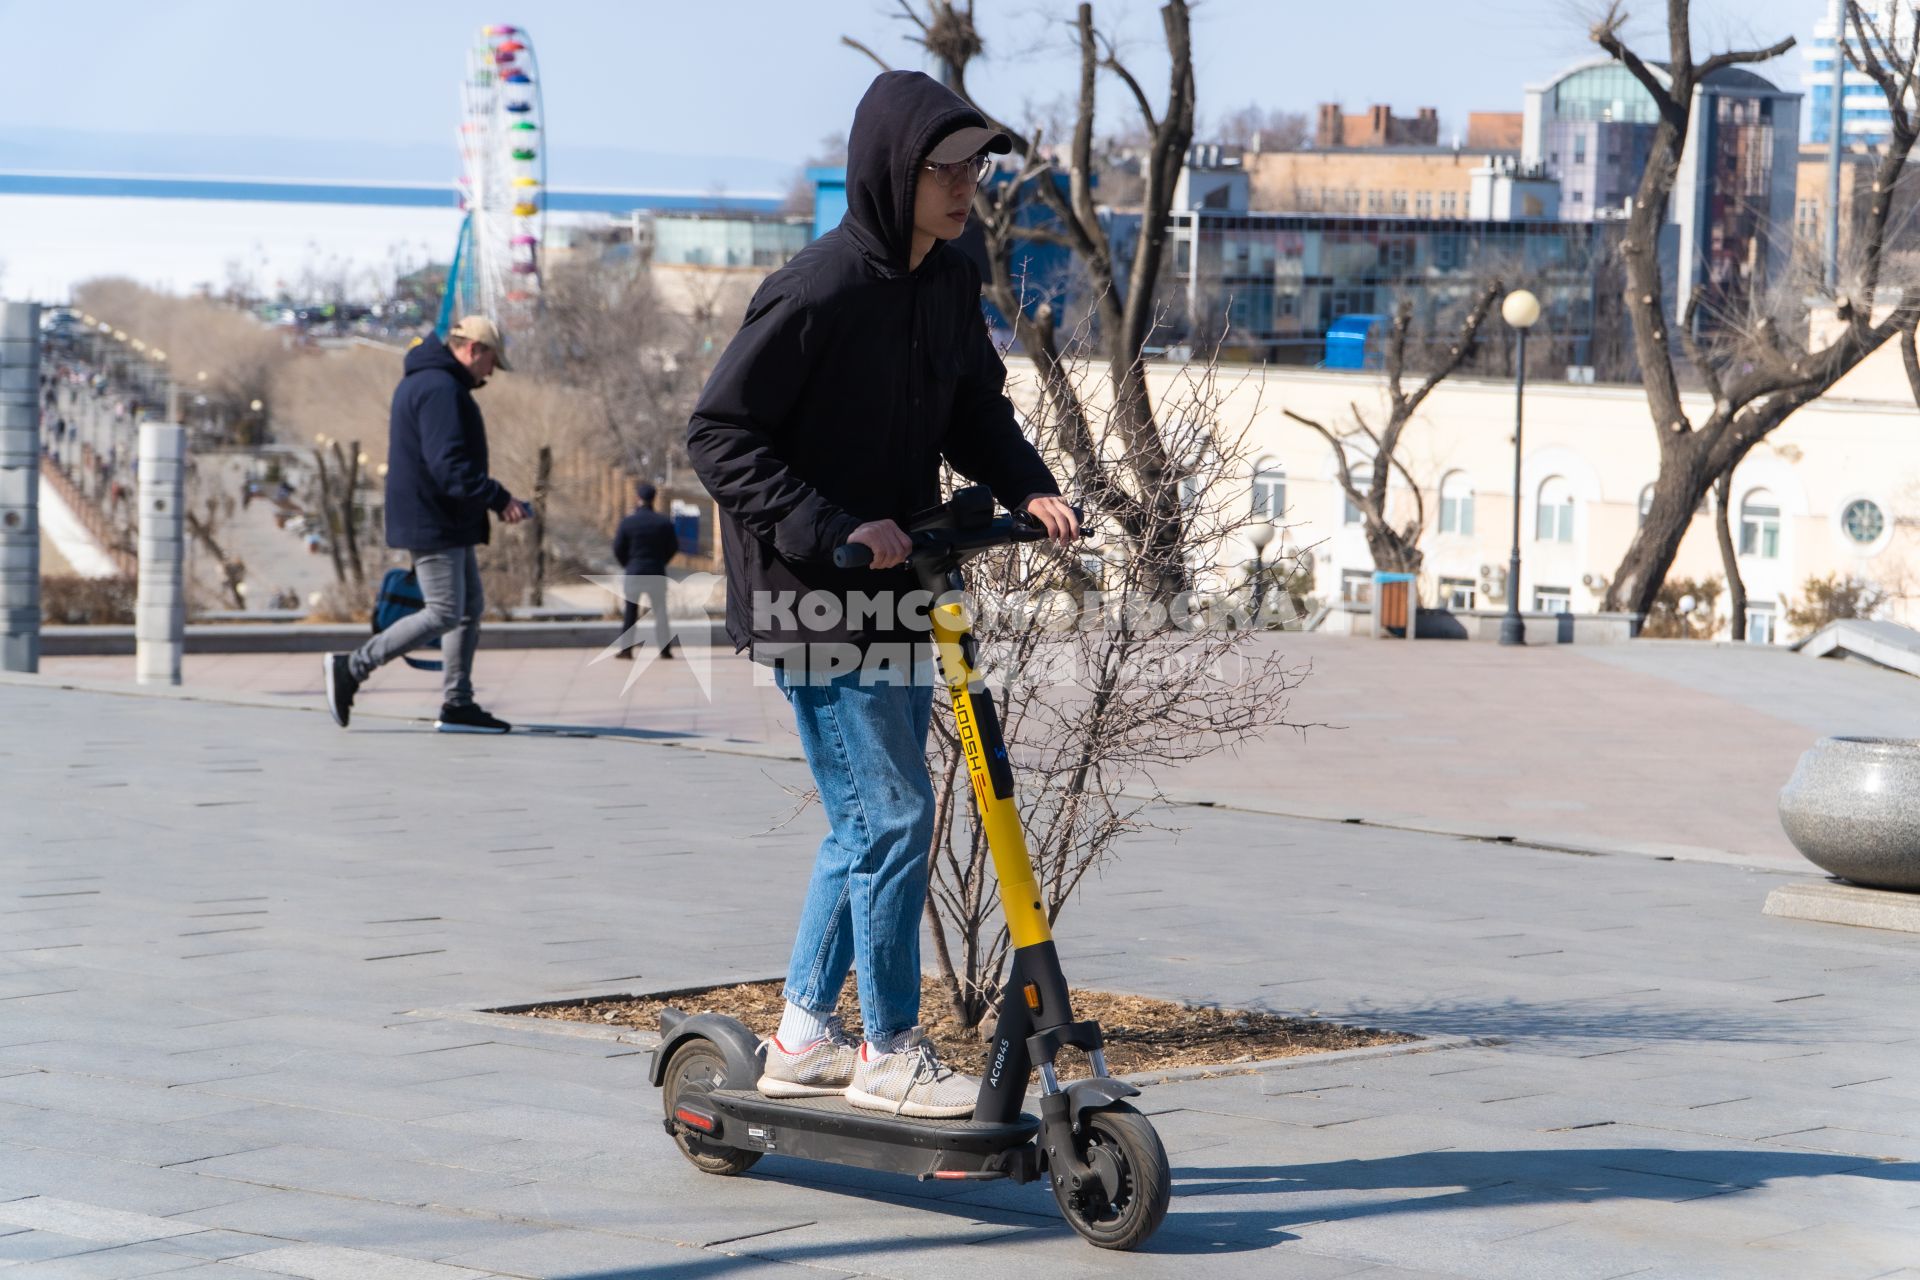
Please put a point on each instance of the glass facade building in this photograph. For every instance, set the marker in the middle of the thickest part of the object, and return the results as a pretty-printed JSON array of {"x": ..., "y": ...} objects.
[{"x": 1270, "y": 285}]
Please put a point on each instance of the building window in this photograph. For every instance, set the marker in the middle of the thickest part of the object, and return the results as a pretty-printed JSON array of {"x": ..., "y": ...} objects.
[
  {"x": 1350, "y": 513},
  {"x": 1456, "y": 503},
  {"x": 1579, "y": 148},
  {"x": 1760, "y": 525},
  {"x": 1423, "y": 204},
  {"x": 1449, "y": 203},
  {"x": 1353, "y": 200},
  {"x": 1554, "y": 518},
  {"x": 1457, "y": 593},
  {"x": 1269, "y": 489},
  {"x": 1576, "y": 197},
  {"x": 1863, "y": 521},
  {"x": 1552, "y": 600},
  {"x": 1182, "y": 255},
  {"x": 1375, "y": 202},
  {"x": 1356, "y": 586},
  {"x": 1760, "y": 624},
  {"x": 1399, "y": 202}
]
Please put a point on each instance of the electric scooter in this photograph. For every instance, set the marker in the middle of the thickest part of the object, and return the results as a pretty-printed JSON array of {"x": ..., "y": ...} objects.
[{"x": 1106, "y": 1164}]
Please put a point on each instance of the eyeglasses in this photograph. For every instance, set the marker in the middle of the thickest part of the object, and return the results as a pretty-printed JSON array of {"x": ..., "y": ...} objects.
[{"x": 961, "y": 171}]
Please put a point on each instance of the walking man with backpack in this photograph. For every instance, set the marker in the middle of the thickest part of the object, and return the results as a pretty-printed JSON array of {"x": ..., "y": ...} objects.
[{"x": 438, "y": 497}]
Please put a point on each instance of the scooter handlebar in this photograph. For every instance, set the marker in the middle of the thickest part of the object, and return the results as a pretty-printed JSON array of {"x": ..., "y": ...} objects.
[{"x": 1018, "y": 527}]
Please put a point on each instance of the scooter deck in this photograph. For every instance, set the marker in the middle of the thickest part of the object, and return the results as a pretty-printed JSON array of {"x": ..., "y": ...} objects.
[{"x": 836, "y": 1117}]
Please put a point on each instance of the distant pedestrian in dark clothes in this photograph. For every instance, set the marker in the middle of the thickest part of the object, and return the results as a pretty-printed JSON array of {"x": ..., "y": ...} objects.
[{"x": 643, "y": 544}]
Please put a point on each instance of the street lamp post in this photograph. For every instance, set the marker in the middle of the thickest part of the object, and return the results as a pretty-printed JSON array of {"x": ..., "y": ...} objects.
[
  {"x": 1521, "y": 310},
  {"x": 1259, "y": 535}
]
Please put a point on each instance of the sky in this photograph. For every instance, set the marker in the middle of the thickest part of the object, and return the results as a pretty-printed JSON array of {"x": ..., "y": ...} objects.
[{"x": 733, "y": 93}]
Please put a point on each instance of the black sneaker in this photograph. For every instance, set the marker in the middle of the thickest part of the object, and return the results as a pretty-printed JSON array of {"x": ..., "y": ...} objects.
[
  {"x": 341, "y": 686},
  {"x": 467, "y": 718}
]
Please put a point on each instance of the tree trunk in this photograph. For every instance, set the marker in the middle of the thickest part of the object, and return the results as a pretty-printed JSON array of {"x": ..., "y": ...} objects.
[
  {"x": 542, "y": 481},
  {"x": 1683, "y": 482},
  {"x": 328, "y": 513},
  {"x": 1729, "y": 557},
  {"x": 351, "y": 532}
]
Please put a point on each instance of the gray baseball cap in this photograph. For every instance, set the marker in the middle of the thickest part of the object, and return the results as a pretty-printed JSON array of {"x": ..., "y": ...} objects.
[{"x": 967, "y": 142}]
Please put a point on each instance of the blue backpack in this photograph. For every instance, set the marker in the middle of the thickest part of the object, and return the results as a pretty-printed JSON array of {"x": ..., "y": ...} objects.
[{"x": 400, "y": 596}]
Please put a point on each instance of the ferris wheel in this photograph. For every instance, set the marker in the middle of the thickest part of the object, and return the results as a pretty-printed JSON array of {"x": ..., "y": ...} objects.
[{"x": 496, "y": 266}]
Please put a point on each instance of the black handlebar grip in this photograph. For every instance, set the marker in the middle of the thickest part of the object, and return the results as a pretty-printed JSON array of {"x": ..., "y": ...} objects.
[{"x": 852, "y": 555}]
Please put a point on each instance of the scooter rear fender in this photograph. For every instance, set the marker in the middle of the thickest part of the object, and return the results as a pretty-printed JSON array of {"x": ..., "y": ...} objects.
[{"x": 739, "y": 1046}]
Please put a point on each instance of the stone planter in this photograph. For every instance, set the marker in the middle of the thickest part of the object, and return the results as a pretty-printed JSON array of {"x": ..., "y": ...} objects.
[{"x": 1853, "y": 808}]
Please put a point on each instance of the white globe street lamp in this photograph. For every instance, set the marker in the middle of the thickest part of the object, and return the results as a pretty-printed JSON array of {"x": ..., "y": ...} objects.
[{"x": 1521, "y": 310}]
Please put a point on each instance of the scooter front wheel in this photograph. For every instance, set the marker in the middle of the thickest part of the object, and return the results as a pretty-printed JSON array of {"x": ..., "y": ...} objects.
[
  {"x": 1134, "y": 1180},
  {"x": 696, "y": 1069}
]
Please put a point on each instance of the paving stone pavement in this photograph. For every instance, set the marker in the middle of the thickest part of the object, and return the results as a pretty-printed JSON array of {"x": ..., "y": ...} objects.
[{"x": 235, "y": 945}]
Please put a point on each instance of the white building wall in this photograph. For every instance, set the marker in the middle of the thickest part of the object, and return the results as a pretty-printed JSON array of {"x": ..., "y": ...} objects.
[{"x": 1601, "y": 441}]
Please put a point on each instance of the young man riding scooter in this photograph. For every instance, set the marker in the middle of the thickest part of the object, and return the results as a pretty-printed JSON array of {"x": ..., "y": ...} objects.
[{"x": 861, "y": 364}]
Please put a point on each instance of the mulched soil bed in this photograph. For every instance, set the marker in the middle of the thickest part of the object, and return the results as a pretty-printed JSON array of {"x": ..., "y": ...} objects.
[{"x": 1142, "y": 1035}]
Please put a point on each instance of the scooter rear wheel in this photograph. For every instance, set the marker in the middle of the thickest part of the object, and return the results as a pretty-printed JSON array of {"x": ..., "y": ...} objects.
[
  {"x": 1121, "y": 1145},
  {"x": 698, "y": 1068}
]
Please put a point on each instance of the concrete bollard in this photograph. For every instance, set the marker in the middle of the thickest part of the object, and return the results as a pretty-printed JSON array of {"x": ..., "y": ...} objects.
[
  {"x": 19, "y": 486},
  {"x": 160, "y": 610}
]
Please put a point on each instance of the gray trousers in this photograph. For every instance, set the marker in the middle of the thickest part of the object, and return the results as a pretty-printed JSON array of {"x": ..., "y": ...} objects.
[
  {"x": 450, "y": 584},
  {"x": 655, "y": 587}
]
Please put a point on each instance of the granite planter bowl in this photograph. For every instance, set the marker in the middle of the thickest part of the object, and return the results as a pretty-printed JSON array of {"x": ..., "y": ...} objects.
[{"x": 1852, "y": 807}]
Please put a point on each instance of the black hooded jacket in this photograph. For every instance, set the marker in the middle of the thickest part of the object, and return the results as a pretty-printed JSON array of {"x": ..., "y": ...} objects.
[
  {"x": 848, "y": 382},
  {"x": 438, "y": 489}
]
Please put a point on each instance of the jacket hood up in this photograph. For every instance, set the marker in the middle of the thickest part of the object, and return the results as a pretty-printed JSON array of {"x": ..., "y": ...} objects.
[
  {"x": 903, "y": 115},
  {"x": 431, "y": 353}
]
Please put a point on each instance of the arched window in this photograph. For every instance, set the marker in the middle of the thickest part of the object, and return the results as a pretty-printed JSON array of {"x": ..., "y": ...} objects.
[
  {"x": 1760, "y": 525},
  {"x": 1646, "y": 503},
  {"x": 1554, "y": 519},
  {"x": 1456, "y": 503},
  {"x": 1269, "y": 489},
  {"x": 1362, "y": 479}
]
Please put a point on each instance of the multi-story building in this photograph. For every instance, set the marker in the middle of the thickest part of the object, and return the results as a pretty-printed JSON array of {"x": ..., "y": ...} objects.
[
  {"x": 1397, "y": 182},
  {"x": 1733, "y": 203},
  {"x": 1866, "y": 120},
  {"x": 1378, "y": 127},
  {"x": 1829, "y": 493},
  {"x": 1271, "y": 284}
]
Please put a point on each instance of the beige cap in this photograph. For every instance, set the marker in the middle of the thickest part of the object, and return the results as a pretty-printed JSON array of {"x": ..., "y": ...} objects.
[{"x": 482, "y": 330}]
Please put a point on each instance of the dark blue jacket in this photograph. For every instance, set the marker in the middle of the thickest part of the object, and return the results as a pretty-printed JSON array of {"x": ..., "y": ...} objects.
[
  {"x": 438, "y": 489},
  {"x": 645, "y": 542}
]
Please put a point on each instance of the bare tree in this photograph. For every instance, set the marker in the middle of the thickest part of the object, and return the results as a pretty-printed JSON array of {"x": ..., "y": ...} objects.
[
  {"x": 1397, "y": 550},
  {"x": 1259, "y": 128},
  {"x": 338, "y": 468},
  {"x": 1760, "y": 379},
  {"x": 1099, "y": 694},
  {"x": 1136, "y": 487}
]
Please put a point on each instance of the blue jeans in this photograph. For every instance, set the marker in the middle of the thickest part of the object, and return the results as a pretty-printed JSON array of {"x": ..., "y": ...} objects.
[{"x": 867, "y": 749}]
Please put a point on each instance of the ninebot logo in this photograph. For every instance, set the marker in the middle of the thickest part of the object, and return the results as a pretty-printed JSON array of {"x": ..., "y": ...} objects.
[{"x": 655, "y": 588}]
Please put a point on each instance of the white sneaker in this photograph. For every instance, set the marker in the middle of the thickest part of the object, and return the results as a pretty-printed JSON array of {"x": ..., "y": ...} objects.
[
  {"x": 912, "y": 1081},
  {"x": 816, "y": 1070}
]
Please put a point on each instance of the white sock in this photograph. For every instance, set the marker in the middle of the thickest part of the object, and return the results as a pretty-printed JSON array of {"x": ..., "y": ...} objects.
[{"x": 800, "y": 1027}]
